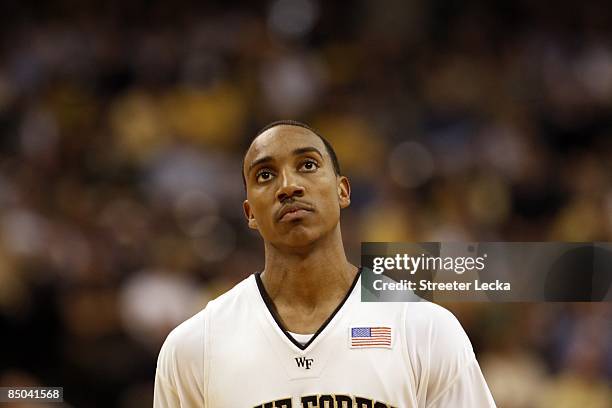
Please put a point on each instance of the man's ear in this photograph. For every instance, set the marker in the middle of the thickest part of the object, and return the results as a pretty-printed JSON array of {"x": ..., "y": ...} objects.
[
  {"x": 344, "y": 192},
  {"x": 249, "y": 214}
]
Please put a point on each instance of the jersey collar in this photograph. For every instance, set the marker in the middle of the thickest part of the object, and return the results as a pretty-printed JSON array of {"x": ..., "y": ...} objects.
[{"x": 272, "y": 310}]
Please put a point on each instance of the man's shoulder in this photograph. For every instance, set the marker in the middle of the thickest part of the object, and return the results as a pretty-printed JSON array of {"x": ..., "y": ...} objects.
[
  {"x": 416, "y": 314},
  {"x": 427, "y": 313},
  {"x": 183, "y": 348},
  {"x": 237, "y": 297},
  {"x": 422, "y": 319},
  {"x": 437, "y": 327},
  {"x": 433, "y": 324},
  {"x": 189, "y": 335}
]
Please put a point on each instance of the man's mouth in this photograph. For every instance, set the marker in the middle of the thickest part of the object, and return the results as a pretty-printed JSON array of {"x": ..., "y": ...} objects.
[{"x": 293, "y": 212}]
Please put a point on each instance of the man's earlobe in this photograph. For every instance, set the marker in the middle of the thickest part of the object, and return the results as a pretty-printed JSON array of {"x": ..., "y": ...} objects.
[{"x": 252, "y": 222}]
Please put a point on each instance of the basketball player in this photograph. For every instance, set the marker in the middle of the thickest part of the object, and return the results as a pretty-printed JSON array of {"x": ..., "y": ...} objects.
[{"x": 297, "y": 334}]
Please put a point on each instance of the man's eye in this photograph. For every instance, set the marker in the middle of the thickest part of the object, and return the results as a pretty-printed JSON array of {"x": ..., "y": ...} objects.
[
  {"x": 263, "y": 176},
  {"x": 310, "y": 165}
]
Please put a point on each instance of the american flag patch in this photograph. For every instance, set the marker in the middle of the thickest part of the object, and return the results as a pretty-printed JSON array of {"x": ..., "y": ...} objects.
[{"x": 369, "y": 337}]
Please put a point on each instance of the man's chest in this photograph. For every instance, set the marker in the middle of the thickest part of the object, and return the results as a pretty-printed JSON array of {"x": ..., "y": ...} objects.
[{"x": 355, "y": 362}]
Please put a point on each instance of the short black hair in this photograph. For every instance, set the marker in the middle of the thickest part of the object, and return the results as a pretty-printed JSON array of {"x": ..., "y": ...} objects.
[{"x": 330, "y": 150}]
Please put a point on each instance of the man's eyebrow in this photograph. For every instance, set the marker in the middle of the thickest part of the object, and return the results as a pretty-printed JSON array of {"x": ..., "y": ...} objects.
[
  {"x": 309, "y": 149},
  {"x": 296, "y": 152},
  {"x": 264, "y": 159}
]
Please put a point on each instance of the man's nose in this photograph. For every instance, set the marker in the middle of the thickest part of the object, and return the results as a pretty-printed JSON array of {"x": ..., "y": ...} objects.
[{"x": 289, "y": 187}]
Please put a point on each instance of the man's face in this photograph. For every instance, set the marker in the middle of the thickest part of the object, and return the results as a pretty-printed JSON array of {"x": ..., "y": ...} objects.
[{"x": 293, "y": 195}]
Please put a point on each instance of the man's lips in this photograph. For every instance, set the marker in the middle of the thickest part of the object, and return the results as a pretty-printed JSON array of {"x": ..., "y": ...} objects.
[{"x": 293, "y": 211}]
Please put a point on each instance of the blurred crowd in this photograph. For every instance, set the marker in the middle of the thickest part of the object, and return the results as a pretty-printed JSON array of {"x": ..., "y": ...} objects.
[{"x": 122, "y": 131}]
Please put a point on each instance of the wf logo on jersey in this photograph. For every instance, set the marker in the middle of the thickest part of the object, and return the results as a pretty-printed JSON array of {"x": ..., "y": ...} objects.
[{"x": 304, "y": 362}]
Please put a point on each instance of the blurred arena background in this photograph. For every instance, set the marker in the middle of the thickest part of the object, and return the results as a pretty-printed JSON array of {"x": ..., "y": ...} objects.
[{"x": 122, "y": 130}]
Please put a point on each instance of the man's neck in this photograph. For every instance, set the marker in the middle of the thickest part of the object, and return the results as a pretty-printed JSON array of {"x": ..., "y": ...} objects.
[{"x": 313, "y": 282}]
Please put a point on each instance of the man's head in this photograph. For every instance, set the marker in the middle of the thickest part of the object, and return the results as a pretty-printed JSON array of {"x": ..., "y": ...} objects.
[{"x": 293, "y": 185}]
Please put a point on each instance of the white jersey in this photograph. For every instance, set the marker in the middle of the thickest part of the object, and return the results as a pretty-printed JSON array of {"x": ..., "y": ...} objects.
[{"x": 234, "y": 354}]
